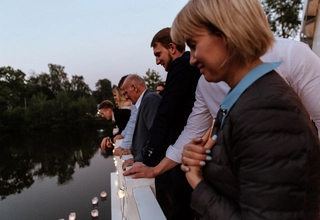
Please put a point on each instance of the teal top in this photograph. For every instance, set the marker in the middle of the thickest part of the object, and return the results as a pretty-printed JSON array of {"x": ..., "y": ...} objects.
[{"x": 234, "y": 94}]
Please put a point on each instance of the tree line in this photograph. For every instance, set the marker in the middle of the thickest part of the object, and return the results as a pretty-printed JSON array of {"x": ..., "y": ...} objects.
[{"x": 51, "y": 100}]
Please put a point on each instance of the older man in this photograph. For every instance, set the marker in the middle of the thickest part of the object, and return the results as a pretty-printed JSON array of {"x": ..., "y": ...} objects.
[{"x": 146, "y": 101}]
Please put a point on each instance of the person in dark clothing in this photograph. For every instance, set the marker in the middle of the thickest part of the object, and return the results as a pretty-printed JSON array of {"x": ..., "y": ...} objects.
[
  {"x": 160, "y": 88},
  {"x": 172, "y": 114},
  {"x": 120, "y": 117},
  {"x": 261, "y": 159},
  {"x": 121, "y": 113}
]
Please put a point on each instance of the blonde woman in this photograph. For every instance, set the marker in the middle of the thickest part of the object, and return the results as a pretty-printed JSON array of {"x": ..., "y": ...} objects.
[
  {"x": 120, "y": 100},
  {"x": 261, "y": 160}
]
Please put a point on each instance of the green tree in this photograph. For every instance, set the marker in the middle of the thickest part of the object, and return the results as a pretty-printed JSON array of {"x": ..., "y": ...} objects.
[
  {"x": 59, "y": 81},
  {"x": 152, "y": 79},
  {"x": 48, "y": 101},
  {"x": 12, "y": 88},
  {"x": 42, "y": 79},
  {"x": 40, "y": 111},
  {"x": 78, "y": 88},
  {"x": 103, "y": 90},
  {"x": 13, "y": 119},
  {"x": 78, "y": 85},
  {"x": 84, "y": 109},
  {"x": 283, "y": 16},
  {"x": 39, "y": 84}
]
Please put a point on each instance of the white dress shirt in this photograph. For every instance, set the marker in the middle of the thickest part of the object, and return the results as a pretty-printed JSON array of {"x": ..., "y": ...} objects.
[
  {"x": 300, "y": 69},
  {"x": 127, "y": 133}
]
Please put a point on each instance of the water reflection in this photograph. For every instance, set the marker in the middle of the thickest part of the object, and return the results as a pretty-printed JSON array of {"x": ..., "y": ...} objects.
[{"x": 26, "y": 157}]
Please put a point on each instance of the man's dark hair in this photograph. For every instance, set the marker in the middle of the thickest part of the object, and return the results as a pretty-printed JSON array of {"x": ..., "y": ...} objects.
[
  {"x": 162, "y": 84},
  {"x": 163, "y": 37},
  {"x": 106, "y": 104},
  {"x": 122, "y": 80}
]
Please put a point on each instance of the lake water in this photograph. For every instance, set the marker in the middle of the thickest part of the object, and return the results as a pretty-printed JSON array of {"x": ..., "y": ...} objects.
[{"x": 47, "y": 176}]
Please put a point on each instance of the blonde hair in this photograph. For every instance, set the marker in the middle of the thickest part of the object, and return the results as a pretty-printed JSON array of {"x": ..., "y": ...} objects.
[
  {"x": 242, "y": 24},
  {"x": 121, "y": 101}
]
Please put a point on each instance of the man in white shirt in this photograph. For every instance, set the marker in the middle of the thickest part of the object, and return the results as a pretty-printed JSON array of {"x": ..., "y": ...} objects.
[{"x": 300, "y": 69}]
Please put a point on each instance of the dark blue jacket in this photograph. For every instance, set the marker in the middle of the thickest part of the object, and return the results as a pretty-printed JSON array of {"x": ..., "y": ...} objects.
[{"x": 145, "y": 116}]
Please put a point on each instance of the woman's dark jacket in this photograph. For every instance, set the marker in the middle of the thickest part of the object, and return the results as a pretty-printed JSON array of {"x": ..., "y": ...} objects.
[
  {"x": 266, "y": 162},
  {"x": 121, "y": 117}
]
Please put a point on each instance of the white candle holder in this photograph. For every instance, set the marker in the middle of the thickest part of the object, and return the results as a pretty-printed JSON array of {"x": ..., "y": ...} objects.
[
  {"x": 95, "y": 213},
  {"x": 72, "y": 216},
  {"x": 95, "y": 200},
  {"x": 103, "y": 194}
]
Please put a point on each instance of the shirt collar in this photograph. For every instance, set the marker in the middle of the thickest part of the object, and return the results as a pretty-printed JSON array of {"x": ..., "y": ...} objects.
[{"x": 139, "y": 100}]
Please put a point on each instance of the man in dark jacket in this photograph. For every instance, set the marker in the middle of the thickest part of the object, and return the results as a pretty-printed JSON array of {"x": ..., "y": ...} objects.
[
  {"x": 172, "y": 114},
  {"x": 109, "y": 112}
]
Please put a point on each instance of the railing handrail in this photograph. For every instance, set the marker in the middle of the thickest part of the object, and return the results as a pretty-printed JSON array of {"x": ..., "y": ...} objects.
[{"x": 135, "y": 197}]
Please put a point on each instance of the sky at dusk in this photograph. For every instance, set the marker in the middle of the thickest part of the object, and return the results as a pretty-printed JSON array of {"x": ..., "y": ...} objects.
[{"x": 96, "y": 39}]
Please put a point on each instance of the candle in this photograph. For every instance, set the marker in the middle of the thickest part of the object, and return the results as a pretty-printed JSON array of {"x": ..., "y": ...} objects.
[
  {"x": 103, "y": 194},
  {"x": 94, "y": 213},
  {"x": 72, "y": 216},
  {"x": 94, "y": 200}
]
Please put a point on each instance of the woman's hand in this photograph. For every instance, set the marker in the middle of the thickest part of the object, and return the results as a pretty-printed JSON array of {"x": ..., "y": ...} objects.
[
  {"x": 194, "y": 175},
  {"x": 194, "y": 156},
  {"x": 196, "y": 152}
]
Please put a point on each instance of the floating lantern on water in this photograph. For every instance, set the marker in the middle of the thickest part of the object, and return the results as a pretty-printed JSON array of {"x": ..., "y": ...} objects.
[
  {"x": 72, "y": 216},
  {"x": 95, "y": 213},
  {"x": 94, "y": 200},
  {"x": 103, "y": 194}
]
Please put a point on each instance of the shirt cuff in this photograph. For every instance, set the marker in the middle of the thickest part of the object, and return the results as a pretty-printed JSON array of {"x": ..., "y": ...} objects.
[{"x": 174, "y": 154}]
